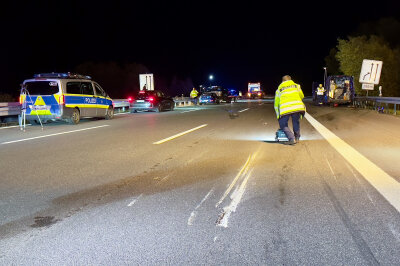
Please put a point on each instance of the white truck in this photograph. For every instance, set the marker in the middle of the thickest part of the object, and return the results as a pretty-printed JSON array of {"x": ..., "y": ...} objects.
[{"x": 254, "y": 90}]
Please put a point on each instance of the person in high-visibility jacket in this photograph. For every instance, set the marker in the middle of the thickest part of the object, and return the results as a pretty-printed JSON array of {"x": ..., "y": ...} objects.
[
  {"x": 289, "y": 103},
  {"x": 320, "y": 94},
  {"x": 193, "y": 95}
]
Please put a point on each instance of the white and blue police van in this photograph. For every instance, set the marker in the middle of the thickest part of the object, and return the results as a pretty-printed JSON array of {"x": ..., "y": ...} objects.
[{"x": 64, "y": 96}]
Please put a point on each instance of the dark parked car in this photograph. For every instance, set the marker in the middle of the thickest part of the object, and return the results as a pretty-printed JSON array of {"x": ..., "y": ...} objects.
[
  {"x": 208, "y": 97},
  {"x": 151, "y": 101}
]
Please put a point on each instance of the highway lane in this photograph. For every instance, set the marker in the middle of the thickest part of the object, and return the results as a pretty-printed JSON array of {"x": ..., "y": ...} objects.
[{"x": 225, "y": 193}]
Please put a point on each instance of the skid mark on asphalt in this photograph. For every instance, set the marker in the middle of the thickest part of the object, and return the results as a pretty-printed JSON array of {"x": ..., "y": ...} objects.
[
  {"x": 359, "y": 182},
  {"x": 194, "y": 212},
  {"x": 352, "y": 228},
  {"x": 394, "y": 232},
  {"x": 330, "y": 167},
  {"x": 238, "y": 193},
  {"x": 227, "y": 211},
  {"x": 354, "y": 232},
  {"x": 242, "y": 172},
  {"x": 134, "y": 201},
  {"x": 386, "y": 185}
]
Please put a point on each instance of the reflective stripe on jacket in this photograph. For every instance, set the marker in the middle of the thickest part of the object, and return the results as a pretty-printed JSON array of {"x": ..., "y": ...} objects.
[
  {"x": 320, "y": 91},
  {"x": 288, "y": 99}
]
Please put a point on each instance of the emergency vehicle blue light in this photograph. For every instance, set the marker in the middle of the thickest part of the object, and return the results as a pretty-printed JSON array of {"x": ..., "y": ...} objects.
[{"x": 61, "y": 75}]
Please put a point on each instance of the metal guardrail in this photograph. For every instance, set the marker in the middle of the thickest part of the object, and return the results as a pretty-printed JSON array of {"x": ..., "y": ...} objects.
[
  {"x": 7, "y": 109},
  {"x": 182, "y": 101},
  {"x": 121, "y": 104},
  {"x": 381, "y": 104}
]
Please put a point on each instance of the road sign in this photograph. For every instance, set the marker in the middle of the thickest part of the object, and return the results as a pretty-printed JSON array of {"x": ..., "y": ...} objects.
[
  {"x": 146, "y": 81},
  {"x": 368, "y": 86},
  {"x": 371, "y": 71}
]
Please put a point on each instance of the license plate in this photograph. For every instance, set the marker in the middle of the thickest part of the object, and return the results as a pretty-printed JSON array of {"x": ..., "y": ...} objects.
[
  {"x": 39, "y": 107},
  {"x": 140, "y": 101}
]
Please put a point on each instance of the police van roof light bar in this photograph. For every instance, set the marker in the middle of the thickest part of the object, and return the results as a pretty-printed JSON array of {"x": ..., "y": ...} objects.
[{"x": 61, "y": 75}]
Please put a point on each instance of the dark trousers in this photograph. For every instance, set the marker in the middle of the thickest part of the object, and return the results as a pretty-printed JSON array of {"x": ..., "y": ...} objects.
[
  {"x": 283, "y": 124},
  {"x": 320, "y": 99}
]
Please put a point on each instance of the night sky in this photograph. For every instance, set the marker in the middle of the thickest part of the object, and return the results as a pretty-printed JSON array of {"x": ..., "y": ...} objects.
[{"x": 236, "y": 42}]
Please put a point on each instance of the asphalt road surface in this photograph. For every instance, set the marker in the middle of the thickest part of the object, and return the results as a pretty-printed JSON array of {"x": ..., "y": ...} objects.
[{"x": 203, "y": 185}]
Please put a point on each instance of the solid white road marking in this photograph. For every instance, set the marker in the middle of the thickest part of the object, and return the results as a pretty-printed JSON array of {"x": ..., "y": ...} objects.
[
  {"x": 55, "y": 134},
  {"x": 180, "y": 134},
  {"x": 13, "y": 126},
  {"x": 386, "y": 185},
  {"x": 133, "y": 201},
  {"x": 234, "y": 203},
  {"x": 243, "y": 172},
  {"x": 194, "y": 212},
  {"x": 244, "y": 110}
]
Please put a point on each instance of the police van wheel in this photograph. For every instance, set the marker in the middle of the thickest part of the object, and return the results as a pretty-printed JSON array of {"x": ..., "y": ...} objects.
[
  {"x": 75, "y": 117},
  {"x": 110, "y": 113}
]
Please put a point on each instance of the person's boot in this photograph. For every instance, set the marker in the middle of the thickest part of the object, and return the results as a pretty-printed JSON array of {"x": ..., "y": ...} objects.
[{"x": 291, "y": 142}]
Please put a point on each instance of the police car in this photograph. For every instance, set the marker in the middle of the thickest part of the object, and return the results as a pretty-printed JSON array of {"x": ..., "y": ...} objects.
[{"x": 64, "y": 96}]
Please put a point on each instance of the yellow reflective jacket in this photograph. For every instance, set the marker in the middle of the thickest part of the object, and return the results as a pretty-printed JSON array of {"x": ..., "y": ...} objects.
[
  {"x": 193, "y": 94},
  {"x": 288, "y": 99}
]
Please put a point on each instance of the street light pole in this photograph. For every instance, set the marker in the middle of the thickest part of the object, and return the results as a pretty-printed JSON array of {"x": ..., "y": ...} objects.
[
  {"x": 324, "y": 76},
  {"x": 211, "y": 78}
]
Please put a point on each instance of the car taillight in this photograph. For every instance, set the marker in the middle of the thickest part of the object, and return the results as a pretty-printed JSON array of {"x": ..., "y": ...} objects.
[
  {"x": 151, "y": 99},
  {"x": 62, "y": 99},
  {"x": 130, "y": 99},
  {"x": 21, "y": 99}
]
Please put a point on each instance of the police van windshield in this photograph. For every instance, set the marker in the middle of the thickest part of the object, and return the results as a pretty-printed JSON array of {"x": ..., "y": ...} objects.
[{"x": 42, "y": 87}]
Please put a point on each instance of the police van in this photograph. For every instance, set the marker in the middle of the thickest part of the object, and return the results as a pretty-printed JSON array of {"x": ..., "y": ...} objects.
[{"x": 64, "y": 96}]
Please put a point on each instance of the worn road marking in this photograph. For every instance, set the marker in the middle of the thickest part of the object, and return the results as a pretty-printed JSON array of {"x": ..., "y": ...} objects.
[
  {"x": 194, "y": 212},
  {"x": 180, "y": 134},
  {"x": 242, "y": 171},
  {"x": 244, "y": 110},
  {"x": 386, "y": 185},
  {"x": 224, "y": 216},
  {"x": 55, "y": 134},
  {"x": 136, "y": 199}
]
